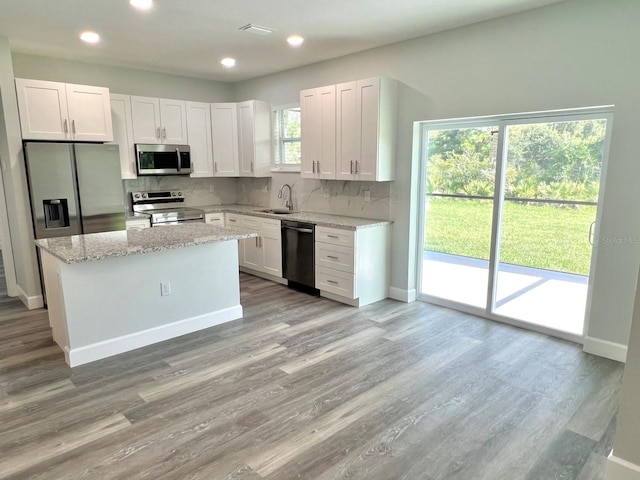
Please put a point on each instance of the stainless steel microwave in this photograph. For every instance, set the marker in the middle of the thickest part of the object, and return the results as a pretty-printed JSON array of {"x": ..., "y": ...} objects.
[{"x": 163, "y": 159}]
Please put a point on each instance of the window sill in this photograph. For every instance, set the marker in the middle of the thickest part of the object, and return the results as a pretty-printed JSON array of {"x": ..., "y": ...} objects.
[{"x": 286, "y": 169}]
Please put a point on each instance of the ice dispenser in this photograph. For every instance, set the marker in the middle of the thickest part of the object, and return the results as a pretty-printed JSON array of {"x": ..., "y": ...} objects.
[{"x": 56, "y": 213}]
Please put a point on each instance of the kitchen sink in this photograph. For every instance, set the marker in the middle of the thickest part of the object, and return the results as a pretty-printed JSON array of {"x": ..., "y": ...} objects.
[{"x": 278, "y": 211}]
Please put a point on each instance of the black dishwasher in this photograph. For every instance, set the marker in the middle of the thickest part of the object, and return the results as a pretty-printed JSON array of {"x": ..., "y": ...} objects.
[{"x": 298, "y": 257}]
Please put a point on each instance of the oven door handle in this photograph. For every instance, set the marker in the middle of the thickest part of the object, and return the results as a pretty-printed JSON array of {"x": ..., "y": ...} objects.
[{"x": 178, "y": 155}]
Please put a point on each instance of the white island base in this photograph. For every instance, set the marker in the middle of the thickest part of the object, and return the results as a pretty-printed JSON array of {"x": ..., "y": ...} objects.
[{"x": 102, "y": 308}]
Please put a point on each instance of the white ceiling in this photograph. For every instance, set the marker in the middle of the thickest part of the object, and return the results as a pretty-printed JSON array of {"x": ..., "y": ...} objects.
[{"x": 189, "y": 37}]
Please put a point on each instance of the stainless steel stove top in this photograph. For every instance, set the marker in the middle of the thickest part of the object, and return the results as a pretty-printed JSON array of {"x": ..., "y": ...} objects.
[{"x": 165, "y": 207}]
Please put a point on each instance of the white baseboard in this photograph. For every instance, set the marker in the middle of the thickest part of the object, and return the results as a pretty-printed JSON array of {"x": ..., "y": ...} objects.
[
  {"x": 606, "y": 349},
  {"x": 31, "y": 303},
  {"x": 401, "y": 295},
  {"x": 125, "y": 343},
  {"x": 619, "y": 469}
]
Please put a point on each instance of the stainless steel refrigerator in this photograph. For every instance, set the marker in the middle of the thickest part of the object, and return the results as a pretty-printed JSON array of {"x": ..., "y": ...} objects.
[{"x": 74, "y": 188}]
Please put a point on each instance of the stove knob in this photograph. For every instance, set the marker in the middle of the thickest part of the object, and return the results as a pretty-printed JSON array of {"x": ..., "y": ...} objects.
[
  {"x": 144, "y": 195},
  {"x": 137, "y": 195},
  {"x": 179, "y": 194},
  {"x": 173, "y": 194}
]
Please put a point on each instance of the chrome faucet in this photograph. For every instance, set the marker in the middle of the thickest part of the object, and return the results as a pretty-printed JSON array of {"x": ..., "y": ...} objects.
[{"x": 289, "y": 202}]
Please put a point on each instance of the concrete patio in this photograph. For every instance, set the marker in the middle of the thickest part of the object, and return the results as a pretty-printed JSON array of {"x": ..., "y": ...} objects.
[{"x": 548, "y": 298}]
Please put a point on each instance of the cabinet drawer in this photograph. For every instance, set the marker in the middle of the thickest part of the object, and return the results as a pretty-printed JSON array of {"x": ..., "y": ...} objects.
[
  {"x": 233, "y": 220},
  {"x": 214, "y": 218},
  {"x": 334, "y": 281},
  {"x": 138, "y": 224},
  {"x": 335, "y": 236},
  {"x": 252, "y": 223},
  {"x": 334, "y": 256}
]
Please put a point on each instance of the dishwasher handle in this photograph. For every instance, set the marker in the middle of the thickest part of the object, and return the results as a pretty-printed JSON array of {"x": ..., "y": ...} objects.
[{"x": 298, "y": 229}]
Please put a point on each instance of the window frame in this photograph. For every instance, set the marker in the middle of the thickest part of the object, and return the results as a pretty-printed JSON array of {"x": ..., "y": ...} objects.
[{"x": 279, "y": 141}]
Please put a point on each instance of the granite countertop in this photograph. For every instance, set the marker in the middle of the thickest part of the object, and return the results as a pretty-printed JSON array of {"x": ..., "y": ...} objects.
[
  {"x": 321, "y": 219},
  {"x": 98, "y": 246}
]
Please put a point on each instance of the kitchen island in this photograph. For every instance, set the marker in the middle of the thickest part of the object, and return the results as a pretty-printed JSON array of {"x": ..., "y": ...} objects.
[{"x": 113, "y": 292}]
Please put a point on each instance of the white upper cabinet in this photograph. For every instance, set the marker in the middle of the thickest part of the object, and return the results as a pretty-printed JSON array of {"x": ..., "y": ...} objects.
[
  {"x": 123, "y": 133},
  {"x": 59, "y": 111},
  {"x": 158, "y": 120},
  {"x": 254, "y": 138},
  {"x": 224, "y": 132},
  {"x": 318, "y": 132},
  {"x": 199, "y": 136},
  {"x": 365, "y": 129}
]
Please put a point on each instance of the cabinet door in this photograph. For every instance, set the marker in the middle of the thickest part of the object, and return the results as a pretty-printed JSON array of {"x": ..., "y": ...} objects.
[
  {"x": 252, "y": 253},
  {"x": 224, "y": 133},
  {"x": 173, "y": 121},
  {"x": 89, "y": 113},
  {"x": 368, "y": 108},
  {"x": 199, "y": 136},
  {"x": 326, "y": 167},
  {"x": 123, "y": 134},
  {"x": 246, "y": 151},
  {"x": 347, "y": 130},
  {"x": 310, "y": 134},
  {"x": 145, "y": 113},
  {"x": 43, "y": 110},
  {"x": 271, "y": 244}
]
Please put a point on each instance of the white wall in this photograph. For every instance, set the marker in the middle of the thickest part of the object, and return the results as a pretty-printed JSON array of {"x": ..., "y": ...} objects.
[
  {"x": 624, "y": 462},
  {"x": 121, "y": 80},
  {"x": 15, "y": 187},
  {"x": 577, "y": 53}
]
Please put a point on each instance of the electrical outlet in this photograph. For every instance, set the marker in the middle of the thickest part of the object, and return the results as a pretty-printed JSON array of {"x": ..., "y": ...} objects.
[
  {"x": 165, "y": 289},
  {"x": 367, "y": 196}
]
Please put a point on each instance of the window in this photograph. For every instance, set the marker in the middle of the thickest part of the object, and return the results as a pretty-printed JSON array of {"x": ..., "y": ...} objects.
[{"x": 287, "y": 138}]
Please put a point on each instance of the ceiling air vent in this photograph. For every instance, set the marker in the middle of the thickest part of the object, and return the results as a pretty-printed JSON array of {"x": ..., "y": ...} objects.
[{"x": 257, "y": 29}]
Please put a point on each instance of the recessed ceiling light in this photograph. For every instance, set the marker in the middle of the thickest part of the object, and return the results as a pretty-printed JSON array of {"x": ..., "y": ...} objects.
[
  {"x": 295, "y": 40},
  {"x": 228, "y": 62},
  {"x": 90, "y": 37},
  {"x": 141, "y": 4}
]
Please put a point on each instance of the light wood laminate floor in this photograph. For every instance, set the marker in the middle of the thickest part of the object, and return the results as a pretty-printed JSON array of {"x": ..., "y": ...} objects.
[{"x": 306, "y": 388}]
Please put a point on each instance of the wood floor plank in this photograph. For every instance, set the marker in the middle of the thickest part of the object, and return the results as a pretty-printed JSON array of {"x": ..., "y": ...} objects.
[{"x": 24, "y": 458}]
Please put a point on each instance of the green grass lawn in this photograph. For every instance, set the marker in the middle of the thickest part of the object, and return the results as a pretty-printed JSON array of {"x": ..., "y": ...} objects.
[{"x": 541, "y": 236}]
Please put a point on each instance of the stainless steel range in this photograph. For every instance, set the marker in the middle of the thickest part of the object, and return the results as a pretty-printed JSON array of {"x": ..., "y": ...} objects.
[{"x": 165, "y": 208}]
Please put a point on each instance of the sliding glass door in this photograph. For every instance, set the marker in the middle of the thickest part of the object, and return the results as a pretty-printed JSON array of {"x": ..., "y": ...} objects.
[
  {"x": 460, "y": 188},
  {"x": 510, "y": 216}
]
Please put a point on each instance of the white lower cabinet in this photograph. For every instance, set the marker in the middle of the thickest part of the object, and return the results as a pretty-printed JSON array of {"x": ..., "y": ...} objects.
[
  {"x": 352, "y": 266},
  {"x": 262, "y": 254}
]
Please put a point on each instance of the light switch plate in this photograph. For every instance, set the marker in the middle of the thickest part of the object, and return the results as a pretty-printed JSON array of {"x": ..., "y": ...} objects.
[{"x": 367, "y": 196}]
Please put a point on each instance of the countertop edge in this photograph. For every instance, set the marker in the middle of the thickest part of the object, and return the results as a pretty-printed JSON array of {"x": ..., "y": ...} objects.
[{"x": 296, "y": 216}]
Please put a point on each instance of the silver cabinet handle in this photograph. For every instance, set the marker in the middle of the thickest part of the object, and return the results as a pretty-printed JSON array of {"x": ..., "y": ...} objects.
[
  {"x": 260, "y": 241},
  {"x": 351, "y": 167},
  {"x": 332, "y": 257},
  {"x": 66, "y": 127},
  {"x": 233, "y": 220},
  {"x": 332, "y": 282},
  {"x": 251, "y": 167},
  {"x": 158, "y": 133},
  {"x": 318, "y": 169},
  {"x": 357, "y": 163},
  {"x": 215, "y": 167},
  {"x": 313, "y": 164},
  {"x": 179, "y": 162},
  {"x": 164, "y": 133},
  {"x": 73, "y": 126},
  {"x": 332, "y": 236}
]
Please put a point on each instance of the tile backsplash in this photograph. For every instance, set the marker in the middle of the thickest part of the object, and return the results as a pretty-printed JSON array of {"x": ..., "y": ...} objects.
[{"x": 335, "y": 197}]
